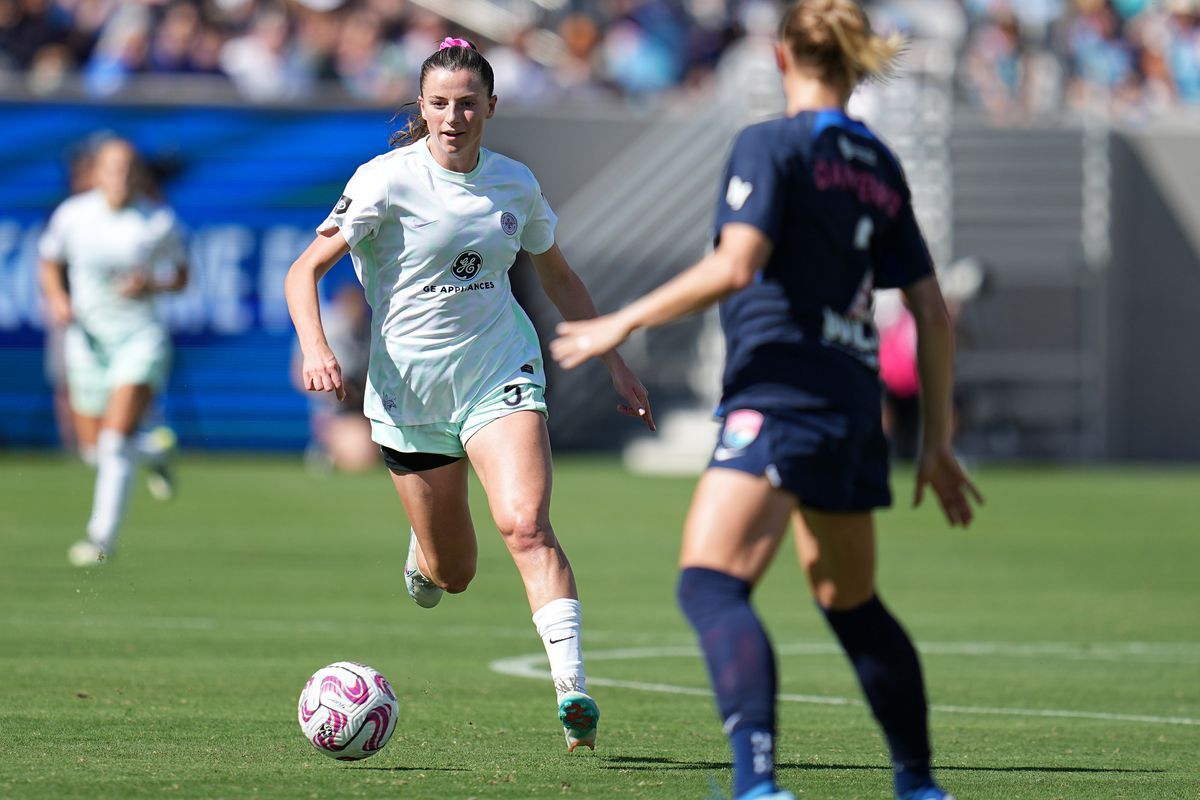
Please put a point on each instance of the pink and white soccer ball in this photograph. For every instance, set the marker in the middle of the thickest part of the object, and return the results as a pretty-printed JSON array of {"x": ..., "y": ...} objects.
[{"x": 348, "y": 711}]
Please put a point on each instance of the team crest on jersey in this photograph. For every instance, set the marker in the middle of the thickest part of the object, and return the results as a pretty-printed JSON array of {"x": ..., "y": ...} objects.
[
  {"x": 741, "y": 428},
  {"x": 508, "y": 223},
  {"x": 467, "y": 265},
  {"x": 343, "y": 204}
]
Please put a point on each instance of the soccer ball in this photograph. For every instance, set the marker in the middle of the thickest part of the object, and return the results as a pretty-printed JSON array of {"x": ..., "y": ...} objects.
[{"x": 348, "y": 711}]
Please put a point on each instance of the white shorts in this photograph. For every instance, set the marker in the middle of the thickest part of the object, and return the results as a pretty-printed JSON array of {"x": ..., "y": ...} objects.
[{"x": 96, "y": 367}]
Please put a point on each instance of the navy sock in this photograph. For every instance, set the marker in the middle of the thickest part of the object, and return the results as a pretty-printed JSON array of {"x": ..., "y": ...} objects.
[
  {"x": 741, "y": 666},
  {"x": 890, "y": 674}
]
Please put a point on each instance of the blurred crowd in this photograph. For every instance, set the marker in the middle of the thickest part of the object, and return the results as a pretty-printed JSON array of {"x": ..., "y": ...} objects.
[{"x": 1015, "y": 58}]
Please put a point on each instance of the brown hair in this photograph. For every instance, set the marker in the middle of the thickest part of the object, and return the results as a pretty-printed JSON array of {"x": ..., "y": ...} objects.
[
  {"x": 452, "y": 59},
  {"x": 834, "y": 37}
]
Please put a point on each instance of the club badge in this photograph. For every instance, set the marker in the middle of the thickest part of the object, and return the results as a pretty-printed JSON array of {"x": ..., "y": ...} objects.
[{"x": 508, "y": 223}]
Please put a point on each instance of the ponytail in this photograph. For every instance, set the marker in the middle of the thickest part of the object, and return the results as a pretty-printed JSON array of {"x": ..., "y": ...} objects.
[{"x": 835, "y": 38}]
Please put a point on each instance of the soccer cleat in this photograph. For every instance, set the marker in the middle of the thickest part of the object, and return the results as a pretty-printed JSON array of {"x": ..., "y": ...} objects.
[
  {"x": 929, "y": 792},
  {"x": 160, "y": 479},
  {"x": 86, "y": 553},
  {"x": 579, "y": 716},
  {"x": 423, "y": 591},
  {"x": 770, "y": 793}
]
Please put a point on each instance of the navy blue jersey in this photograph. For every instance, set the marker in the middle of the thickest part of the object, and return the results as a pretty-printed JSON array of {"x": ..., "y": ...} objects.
[{"x": 834, "y": 202}]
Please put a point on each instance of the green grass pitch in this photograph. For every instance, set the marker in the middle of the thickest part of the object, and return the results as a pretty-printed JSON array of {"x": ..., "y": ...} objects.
[{"x": 1061, "y": 640}]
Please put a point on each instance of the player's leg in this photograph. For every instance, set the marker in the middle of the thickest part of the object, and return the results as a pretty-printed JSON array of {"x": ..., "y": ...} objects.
[
  {"x": 116, "y": 460},
  {"x": 733, "y": 529},
  {"x": 837, "y": 551},
  {"x": 442, "y": 553},
  {"x": 511, "y": 455},
  {"x": 87, "y": 430}
]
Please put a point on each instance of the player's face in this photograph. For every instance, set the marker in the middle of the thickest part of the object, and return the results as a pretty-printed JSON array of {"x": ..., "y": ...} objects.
[
  {"x": 455, "y": 105},
  {"x": 113, "y": 172}
]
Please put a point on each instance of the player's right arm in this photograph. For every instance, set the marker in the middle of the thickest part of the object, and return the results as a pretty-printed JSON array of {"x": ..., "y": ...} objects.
[
  {"x": 54, "y": 290},
  {"x": 52, "y": 268},
  {"x": 320, "y": 371}
]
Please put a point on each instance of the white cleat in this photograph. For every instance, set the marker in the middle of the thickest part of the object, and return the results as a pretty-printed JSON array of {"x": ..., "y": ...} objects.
[
  {"x": 86, "y": 553},
  {"x": 579, "y": 716},
  {"x": 423, "y": 591}
]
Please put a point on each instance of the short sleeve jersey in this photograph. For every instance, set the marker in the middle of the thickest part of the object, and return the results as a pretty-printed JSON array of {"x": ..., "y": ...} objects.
[
  {"x": 837, "y": 209},
  {"x": 433, "y": 248},
  {"x": 102, "y": 247}
]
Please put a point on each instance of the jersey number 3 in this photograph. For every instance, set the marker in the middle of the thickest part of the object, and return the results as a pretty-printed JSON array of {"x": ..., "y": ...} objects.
[{"x": 512, "y": 395}]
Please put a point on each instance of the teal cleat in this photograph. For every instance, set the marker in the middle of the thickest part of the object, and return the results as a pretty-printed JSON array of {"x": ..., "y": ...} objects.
[
  {"x": 579, "y": 716},
  {"x": 767, "y": 791}
]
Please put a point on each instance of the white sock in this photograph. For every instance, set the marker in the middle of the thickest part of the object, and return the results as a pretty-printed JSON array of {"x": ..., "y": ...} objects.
[
  {"x": 114, "y": 473},
  {"x": 87, "y": 454},
  {"x": 558, "y": 624}
]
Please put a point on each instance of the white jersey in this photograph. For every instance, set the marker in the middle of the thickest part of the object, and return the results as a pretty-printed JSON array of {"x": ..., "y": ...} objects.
[
  {"x": 432, "y": 249},
  {"x": 102, "y": 247}
]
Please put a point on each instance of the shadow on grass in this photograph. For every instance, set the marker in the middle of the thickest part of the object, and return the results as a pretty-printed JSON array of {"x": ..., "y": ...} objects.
[
  {"x": 658, "y": 762},
  {"x": 417, "y": 769}
]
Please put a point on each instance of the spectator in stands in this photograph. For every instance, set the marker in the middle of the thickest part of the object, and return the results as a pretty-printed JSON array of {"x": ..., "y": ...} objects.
[
  {"x": 369, "y": 67},
  {"x": 1183, "y": 49},
  {"x": 520, "y": 80},
  {"x": 995, "y": 70}
]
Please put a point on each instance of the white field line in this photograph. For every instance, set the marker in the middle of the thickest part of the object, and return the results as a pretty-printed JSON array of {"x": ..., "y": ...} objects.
[
  {"x": 678, "y": 644},
  {"x": 533, "y": 666}
]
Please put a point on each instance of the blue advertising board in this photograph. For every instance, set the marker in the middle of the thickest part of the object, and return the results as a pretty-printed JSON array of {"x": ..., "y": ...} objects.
[{"x": 250, "y": 185}]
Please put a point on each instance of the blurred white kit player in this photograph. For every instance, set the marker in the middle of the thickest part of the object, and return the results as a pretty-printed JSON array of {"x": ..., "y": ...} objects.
[{"x": 116, "y": 248}]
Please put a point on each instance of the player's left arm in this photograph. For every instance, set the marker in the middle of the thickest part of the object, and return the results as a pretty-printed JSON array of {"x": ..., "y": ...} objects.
[
  {"x": 937, "y": 466},
  {"x": 571, "y": 297}
]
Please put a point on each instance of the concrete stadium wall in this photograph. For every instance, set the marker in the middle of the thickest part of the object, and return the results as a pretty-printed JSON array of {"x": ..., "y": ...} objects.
[{"x": 1154, "y": 296}]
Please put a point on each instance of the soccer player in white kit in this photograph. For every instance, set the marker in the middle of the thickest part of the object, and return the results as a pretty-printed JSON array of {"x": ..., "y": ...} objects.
[
  {"x": 456, "y": 369},
  {"x": 118, "y": 248}
]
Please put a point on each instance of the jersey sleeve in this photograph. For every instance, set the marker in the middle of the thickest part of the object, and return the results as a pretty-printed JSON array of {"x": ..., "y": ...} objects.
[
  {"x": 52, "y": 245},
  {"x": 903, "y": 256},
  {"x": 750, "y": 190},
  {"x": 538, "y": 236},
  {"x": 360, "y": 209}
]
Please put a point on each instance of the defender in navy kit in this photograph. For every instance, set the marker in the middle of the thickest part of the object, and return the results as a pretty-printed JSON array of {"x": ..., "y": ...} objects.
[{"x": 815, "y": 214}]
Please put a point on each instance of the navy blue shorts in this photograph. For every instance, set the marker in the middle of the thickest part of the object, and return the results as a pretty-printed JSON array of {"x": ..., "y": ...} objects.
[{"x": 829, "y": 460}]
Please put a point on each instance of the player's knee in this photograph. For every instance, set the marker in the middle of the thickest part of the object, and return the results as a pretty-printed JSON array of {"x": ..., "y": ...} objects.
[
  {"x": 454, "y": 580},
  {"x": 524, "y": 533},
  {"x": 834, "y": 596}
]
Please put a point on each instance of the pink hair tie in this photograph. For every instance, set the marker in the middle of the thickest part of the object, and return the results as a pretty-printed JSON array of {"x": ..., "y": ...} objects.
[{"x": 450, "y": 41}]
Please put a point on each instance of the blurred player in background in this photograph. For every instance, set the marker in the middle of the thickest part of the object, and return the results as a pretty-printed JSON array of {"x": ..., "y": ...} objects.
[
  {"x": 456, "y": 370},
  {"x": 341, "y": 435},
  {"x": 816, "y": 213},
  {"x": 113, "y": 246}
]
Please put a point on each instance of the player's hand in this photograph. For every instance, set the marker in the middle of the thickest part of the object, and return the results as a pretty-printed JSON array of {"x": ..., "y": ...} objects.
[
  {"x": 940, "y": 470},
  {"x": 59, "y": 309},
  {"x": 587, "y": 338},
  {"x": 631, "y": 390},
  {"x": 321, "y": 372},
  {"x": 135, "y": 284}
]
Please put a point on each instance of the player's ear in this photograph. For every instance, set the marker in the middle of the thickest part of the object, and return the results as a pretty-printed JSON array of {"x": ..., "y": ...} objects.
[
  {"x": 491, "y": 106},
  {"x": 780, "y": 58}
]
